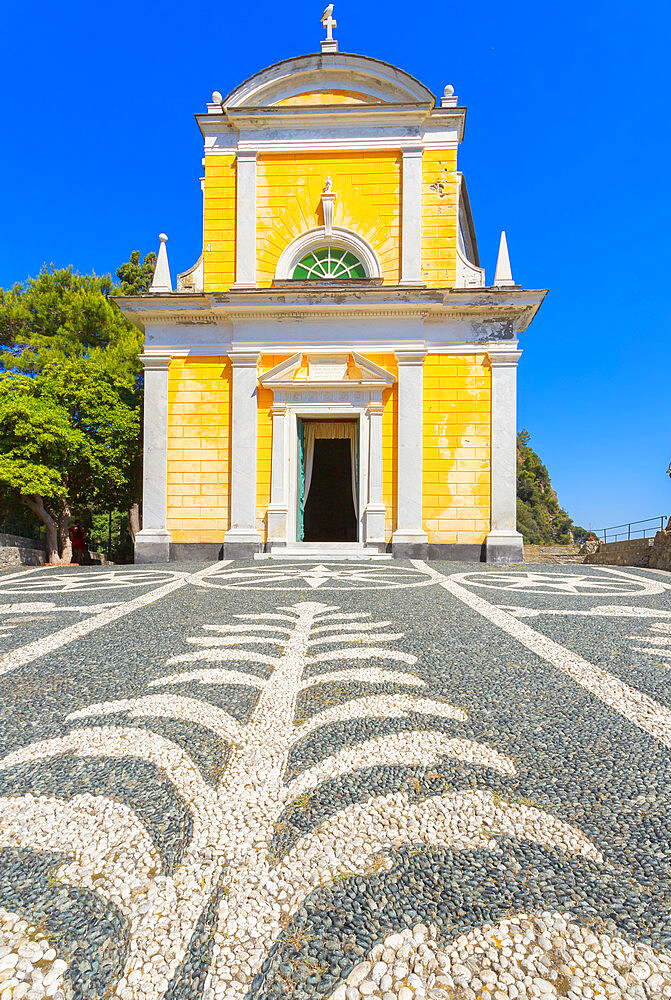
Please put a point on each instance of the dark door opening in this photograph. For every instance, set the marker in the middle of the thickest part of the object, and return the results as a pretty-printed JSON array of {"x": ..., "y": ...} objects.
[{"x": 329, "y": 509}]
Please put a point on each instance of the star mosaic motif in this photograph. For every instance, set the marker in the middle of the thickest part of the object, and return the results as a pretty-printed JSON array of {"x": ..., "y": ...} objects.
[
  {"x": 336, "y": 576},
  {"x": 72, "y": 582},
  {"x": 573, "y": 584}
]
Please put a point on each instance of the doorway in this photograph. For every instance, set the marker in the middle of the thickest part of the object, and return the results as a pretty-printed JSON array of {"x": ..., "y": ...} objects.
[{"x": 328, "y": 487}]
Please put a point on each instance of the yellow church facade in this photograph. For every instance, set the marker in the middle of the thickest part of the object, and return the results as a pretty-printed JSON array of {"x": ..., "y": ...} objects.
[{"x": 333, "y": 375}]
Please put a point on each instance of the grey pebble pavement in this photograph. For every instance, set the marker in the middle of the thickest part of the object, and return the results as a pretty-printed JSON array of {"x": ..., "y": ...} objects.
[{"x": 254, "y": 781}]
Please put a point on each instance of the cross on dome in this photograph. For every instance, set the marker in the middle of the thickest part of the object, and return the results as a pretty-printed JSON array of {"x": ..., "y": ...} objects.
[{"x": 329, "y": 44}]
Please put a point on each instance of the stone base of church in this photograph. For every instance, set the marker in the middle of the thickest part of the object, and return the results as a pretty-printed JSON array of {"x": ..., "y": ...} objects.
[
  {"x": 410, "y": 544},
  {"x": 152, "y": 545},
  {"x": 196, "y": 551},
  {"x": 242, "y": 543},
  {"x": 504, "y": 547},
  {"x": 453, "y": 552}
]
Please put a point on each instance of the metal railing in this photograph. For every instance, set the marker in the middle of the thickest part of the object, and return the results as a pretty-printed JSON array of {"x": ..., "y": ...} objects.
[
  {"x": 619, "y": 532},
  {"x": 21, "y": 529}
]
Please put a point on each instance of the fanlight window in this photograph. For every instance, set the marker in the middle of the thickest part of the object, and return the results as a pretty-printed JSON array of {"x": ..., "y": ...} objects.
[{"x": 329, "y": 262}]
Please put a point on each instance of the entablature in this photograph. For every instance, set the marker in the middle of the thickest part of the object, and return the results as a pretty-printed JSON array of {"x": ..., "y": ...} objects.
[
  {"x": 371, "y": 126},
  {"x": 379, "y": 319}
]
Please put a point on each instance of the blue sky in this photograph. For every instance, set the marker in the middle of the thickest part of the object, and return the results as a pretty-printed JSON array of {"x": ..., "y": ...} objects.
[{"x": 567, "y": 148}]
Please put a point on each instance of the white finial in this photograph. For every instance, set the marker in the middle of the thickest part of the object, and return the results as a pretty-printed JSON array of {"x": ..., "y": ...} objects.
[
  {"x": 329, "y": 44},
  {"x": 449, "y": 99},
  {"x": 214, "y": 107},
  {"x": 504, "y": 275},
  {"x": 162, "y": 281},
  {"x": 328, "y": 183}
]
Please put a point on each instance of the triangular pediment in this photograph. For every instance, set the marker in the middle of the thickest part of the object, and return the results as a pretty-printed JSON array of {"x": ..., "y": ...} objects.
[{"x": 340, "y": 369}]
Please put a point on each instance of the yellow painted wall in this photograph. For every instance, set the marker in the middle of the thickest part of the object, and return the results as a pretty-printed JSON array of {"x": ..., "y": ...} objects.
[
  {"x": 219, "y": 223},
  {"x": 199, "y": 421},
  {"x": 457, "y": 404},
  {"x": 456, "y": 484},
  {"x": 439, "y": 217},
  {"x": 457, "y": 399},
  {"x": 289, "y": 189},
  {"x": 324, "y": 97},
  {"x": 368, "y": 190}
]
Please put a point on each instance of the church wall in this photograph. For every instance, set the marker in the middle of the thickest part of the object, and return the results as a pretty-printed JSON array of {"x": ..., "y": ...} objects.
[
  {"x": 456, "y": 449},
  {"x": 289, "y": 189},
  {"x": 219, "y": 223},
  {"x": 439, "y": 217},
  {"x": 199, "y": 421},
  {"x": 457, "y": 439}
]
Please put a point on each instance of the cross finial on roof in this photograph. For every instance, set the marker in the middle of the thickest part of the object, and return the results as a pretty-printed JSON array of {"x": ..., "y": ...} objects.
[{"x": 329, "y": 44}]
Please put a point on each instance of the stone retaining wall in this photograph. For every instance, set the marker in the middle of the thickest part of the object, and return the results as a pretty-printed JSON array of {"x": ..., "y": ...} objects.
[
  {"x": 552, "y": 554},
  {"x": 660, "y": 557},
  {"x": 18, "y": 551},
  {"x": 653, "y": 552}
]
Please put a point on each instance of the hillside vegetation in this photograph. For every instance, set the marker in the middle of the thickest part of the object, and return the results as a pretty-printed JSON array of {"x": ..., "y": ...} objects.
[{"x": 540, "y": 519}]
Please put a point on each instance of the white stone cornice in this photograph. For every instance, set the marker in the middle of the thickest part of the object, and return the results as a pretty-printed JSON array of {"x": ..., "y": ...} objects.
[
  {"x": 244, "y": 359},
  {"x": 156, "y": 362},
  {"x": 503, "y": 359},
  {"x": 331, "y": 115},
  {"x": 411, "y": 357},
  {"x": 175, "y": 317},
  {"x": 324, "y": 142},
  {"x": 484, "y": 316}
]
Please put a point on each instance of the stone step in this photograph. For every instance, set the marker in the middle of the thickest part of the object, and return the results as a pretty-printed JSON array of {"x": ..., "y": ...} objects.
[{"x": 325, "y": 552}]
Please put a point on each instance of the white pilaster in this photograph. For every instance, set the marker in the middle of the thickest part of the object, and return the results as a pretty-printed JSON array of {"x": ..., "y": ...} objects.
[
  {"x": 152, "y": 543},
  {"x": 278, "y": 510},
  {"x": 242, "y": 538},
  {"x": 410, "y": 539},
  {"x": 411, "y": 218},
  {"x": 504, "y": 542},
  {"x": 376, "y": 512},
  {"x": 245, "y": 220}
]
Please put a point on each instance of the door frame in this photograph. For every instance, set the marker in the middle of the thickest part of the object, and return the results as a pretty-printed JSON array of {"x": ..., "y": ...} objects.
[{"x": 336, "y": 411}]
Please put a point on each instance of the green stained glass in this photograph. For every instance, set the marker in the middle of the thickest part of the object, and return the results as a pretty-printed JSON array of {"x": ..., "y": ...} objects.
[{"x": 329, "y": 262}]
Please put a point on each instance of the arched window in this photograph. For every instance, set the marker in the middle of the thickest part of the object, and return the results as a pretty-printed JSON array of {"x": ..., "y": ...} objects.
[{"x": 329, "y": 262}]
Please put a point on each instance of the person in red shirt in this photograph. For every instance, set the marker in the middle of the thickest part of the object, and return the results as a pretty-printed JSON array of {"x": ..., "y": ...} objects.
[{"x": 78, "y": 537}]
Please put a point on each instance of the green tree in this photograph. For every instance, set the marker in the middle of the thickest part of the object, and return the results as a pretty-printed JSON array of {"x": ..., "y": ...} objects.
[
  {"x": 136, "y": 277},
  {"x": 70, "y": 399},
  {"x": 540, "y": 519}
]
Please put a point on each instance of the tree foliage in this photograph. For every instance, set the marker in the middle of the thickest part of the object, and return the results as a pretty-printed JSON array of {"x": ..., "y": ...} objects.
[
  {"x": 135, "y": 277},
  {"x": 70, "y": 397},
  {"x": 540, "y": 519}
]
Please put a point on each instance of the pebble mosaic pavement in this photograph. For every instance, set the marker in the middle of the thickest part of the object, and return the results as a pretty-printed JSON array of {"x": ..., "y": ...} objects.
[{"x": 254, "y": 781}]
